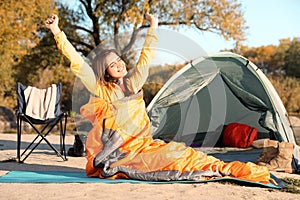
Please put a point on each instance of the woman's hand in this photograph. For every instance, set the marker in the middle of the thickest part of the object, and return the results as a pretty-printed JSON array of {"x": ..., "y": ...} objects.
[
  {"x": 52, "y": 24},
  {"x": 152, "y": 19}
]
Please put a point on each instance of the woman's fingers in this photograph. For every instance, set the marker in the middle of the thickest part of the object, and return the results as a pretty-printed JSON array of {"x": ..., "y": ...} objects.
[
  {"x": 51, "y": 20},
  {"x": 152, "y": 19},
  {"x": 149, "y": 16}
]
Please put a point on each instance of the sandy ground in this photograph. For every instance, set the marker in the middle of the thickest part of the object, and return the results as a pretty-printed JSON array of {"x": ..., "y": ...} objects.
[{"x": 45, "y": 160}]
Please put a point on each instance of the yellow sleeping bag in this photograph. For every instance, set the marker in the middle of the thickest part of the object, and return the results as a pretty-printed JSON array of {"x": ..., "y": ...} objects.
[{"x": 120, "y": 145}]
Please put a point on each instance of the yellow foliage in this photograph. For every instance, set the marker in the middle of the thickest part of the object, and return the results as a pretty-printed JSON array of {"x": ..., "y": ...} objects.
[
  {"x": 20, "y": 22},
  {"x": 288, "y": 89}
]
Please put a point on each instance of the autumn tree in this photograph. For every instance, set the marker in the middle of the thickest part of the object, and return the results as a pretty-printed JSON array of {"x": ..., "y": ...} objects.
[
  {"x": 106, "y": 18},
  {"x": 292, "y": 58},
  {"x": 288, "y": 89},
  {"x": 20, "y": 23},
  {"x": 276, "y": 60},
  {"x": 262, "y": 56}
]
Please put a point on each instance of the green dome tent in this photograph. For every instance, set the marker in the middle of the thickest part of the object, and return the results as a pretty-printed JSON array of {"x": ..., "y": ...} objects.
[{"x": 213, "y": 91}]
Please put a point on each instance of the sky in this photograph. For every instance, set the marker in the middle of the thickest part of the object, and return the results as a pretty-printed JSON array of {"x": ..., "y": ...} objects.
[{"x": 268, "y": 21}]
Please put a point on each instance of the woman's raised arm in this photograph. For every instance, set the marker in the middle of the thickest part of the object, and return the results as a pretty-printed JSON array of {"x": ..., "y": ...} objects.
[{"x": 80, "y": 68}]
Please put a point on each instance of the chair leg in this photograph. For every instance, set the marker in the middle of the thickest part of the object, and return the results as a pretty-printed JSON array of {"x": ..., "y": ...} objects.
[
  {"x": 63, "y": 128},
  {"x": 64, "y": 136},
  {"x": 19, "y": 129}
]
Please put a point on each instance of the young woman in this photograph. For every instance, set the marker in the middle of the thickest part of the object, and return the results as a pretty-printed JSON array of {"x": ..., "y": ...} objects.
[
  {"x": 108, "y": 70},
  {"x": 120, "y": 145}
]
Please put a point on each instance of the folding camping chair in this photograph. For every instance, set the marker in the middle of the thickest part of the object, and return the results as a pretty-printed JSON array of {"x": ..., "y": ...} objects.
[{"x": 41, "y": 109}]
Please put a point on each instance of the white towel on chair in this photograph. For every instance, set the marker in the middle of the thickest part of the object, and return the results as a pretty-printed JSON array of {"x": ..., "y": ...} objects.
[{"x": 40, "y": 103}]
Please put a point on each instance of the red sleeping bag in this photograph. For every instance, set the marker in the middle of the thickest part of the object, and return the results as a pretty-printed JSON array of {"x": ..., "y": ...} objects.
[{"x": 239, "y": 135}]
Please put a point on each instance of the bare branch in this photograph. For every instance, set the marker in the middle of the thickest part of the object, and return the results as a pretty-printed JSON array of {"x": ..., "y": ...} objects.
[
  {"x": 132, "y": 39},
  {"x": 81, "y": 43},
  {"x": 83, "y": 29}
]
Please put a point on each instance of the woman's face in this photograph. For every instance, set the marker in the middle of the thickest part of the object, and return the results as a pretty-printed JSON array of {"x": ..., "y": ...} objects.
[{"x": 115, "y": 66}]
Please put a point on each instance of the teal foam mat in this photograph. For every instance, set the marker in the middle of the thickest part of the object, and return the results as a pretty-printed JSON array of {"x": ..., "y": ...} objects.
[{"x": 80, "y": 177}]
